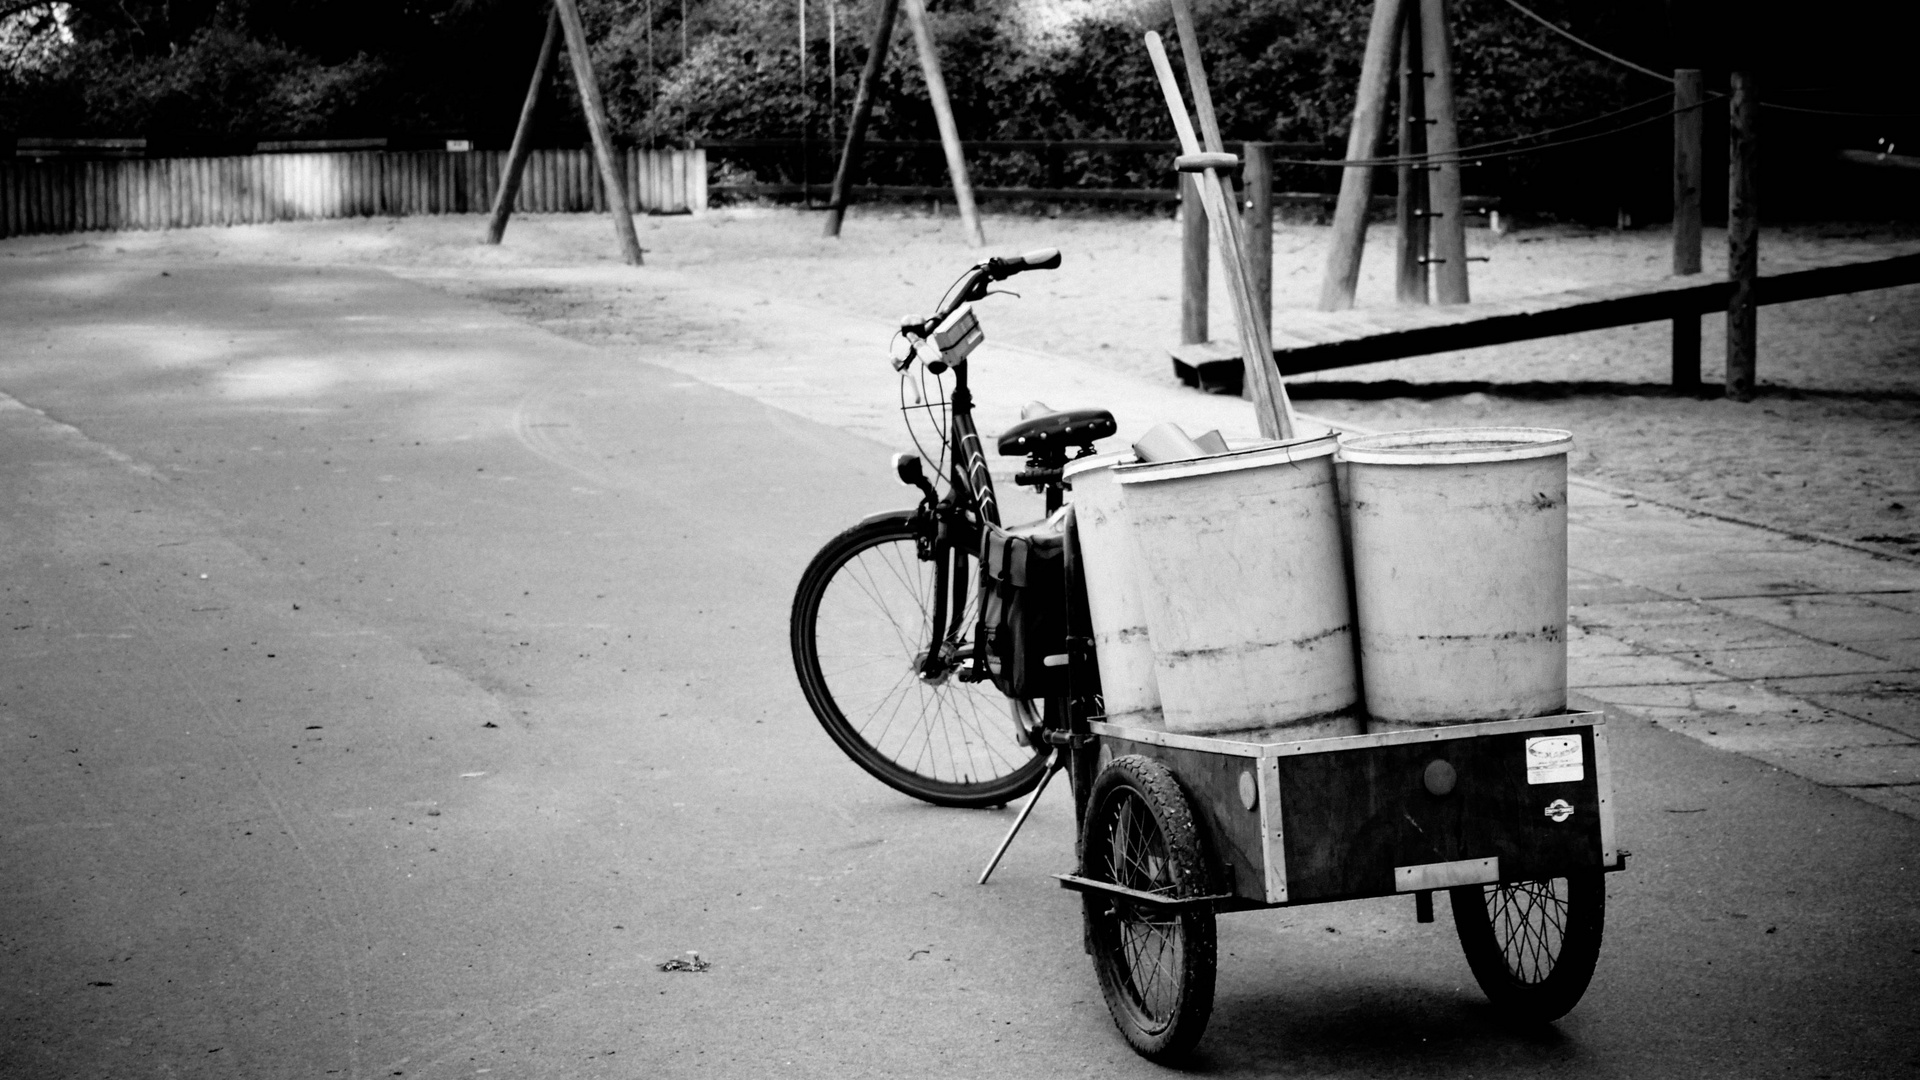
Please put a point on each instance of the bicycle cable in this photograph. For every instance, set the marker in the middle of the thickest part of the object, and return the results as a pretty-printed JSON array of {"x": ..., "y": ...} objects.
[{"x": 936, "y": 408}]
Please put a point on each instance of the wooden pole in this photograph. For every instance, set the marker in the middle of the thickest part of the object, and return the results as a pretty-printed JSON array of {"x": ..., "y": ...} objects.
[
  {"x": 833, "y": 67},
  {"x": 1260, "y": 379},
  {"x": 1688, "y": 146},
  {"x": 1410, "y": 205},
  {"x": 1257, "y": 173},
  {"x": 1689, "y": 125},
  {"x": 1197, "y": 78},
  {"x": 1342, "y": 278},
  {"x": 806, "y": 116},
  {"x": 596, "y": 111},
  {"x": 943, "y": 114},
  {"x": 1271, "y": 408},
  {"x": 1193, "y": 261},
  {"x": 862, "y": 112},
  {"x": 523, "y": 133},
  {"x": 1446, "y": 225},
  {"x": 1743, "y": 235}
]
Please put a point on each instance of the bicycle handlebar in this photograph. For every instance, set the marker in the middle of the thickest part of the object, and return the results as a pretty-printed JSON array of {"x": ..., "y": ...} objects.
[{"x": 973, "y": 285}]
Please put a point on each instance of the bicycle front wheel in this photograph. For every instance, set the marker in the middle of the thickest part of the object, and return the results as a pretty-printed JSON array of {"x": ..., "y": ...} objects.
[{"x": 862, "y": 624}]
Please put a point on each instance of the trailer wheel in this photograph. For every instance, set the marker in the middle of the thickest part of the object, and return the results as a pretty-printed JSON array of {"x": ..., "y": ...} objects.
[
  {"x": 1156, "y": 968},
  {"x": 1532, "y": 945}
]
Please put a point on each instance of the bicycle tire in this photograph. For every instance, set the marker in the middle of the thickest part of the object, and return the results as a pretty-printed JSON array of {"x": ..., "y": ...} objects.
[
  {"x": 947, "y": 742},
  {"x": 1532, "y": 945},
  {"x": 1140, "y": 833}
]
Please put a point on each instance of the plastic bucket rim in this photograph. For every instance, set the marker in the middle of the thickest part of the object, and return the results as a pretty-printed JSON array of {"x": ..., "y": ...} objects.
[
  {"x": 1110, "y": 459},
  {"x": 1454, "y": 446},
  {"x": 1270, "y": 453}
]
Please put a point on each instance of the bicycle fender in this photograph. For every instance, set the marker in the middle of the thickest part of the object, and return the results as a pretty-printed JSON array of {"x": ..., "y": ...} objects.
[{"x": 890, "y": 515}]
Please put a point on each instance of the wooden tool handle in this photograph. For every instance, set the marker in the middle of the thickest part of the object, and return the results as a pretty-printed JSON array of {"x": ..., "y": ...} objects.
[{"x": 1203, "y": 161}]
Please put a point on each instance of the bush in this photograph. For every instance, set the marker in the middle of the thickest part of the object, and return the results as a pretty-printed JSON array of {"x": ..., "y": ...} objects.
[
  {"x": 221, "y": 88},
  {"x": 218, "y": 76},
  {"x": 1280, "y": 70},
  {"x": 222, "y": 73}
]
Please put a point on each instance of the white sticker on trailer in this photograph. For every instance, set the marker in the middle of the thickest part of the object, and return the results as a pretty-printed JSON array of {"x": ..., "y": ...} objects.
[{"x": 1555, "y": 759}]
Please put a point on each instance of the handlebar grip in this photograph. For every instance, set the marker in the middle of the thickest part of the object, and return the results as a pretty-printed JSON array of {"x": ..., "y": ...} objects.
[{"x": 1040, "y": 259}]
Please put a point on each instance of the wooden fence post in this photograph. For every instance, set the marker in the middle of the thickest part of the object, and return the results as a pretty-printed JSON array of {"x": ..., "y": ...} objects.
[
  {"x": 1262, "y": 382},
  {"x": 1447, "y": 224},
  {"x": 1193, "y": 261},
  {"x": 1688, "y": 124},
  {"x": 603, "y": 151},
  {"x": 1410, "y": 204},
  {"x": 203, "y": 188},
  {"x": 697, "y": 180},
  {"x": 1257, "y": 172},
  {"x": 1342, "y": 278},
  {"x": 1743, "y": 235}
]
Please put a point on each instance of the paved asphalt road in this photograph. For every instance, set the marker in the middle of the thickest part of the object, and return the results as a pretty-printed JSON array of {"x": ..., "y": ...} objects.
[{"x": 387, "y": 688}]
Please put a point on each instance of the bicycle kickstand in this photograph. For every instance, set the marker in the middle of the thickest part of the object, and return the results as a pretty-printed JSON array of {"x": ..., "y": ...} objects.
[{"x": 1058, "y": 762}]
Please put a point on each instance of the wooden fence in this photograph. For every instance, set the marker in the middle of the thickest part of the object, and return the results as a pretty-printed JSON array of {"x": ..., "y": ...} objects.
[
  {"x": 1045, "y": 161},
  {"x": 55, "y": 195}
]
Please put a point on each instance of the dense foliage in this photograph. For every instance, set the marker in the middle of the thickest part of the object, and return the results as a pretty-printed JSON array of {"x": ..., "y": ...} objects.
[
  {"x": 213, "y": 75},
  {"x": 221, "y": 74},
  {"x": 1281, "y": 70}
]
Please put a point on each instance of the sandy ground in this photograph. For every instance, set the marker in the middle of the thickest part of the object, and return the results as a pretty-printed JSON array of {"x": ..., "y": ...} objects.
[{"x": 1828, "y": 448}]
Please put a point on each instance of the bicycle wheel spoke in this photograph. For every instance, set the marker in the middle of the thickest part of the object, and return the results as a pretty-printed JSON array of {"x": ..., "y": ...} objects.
[
  {"x": 946, "y": 730},
  {"x": 906, "y": 686},
  {"x": 1122, "y": 839},
  {"x": 1130, "y": 950},
  {"x": 1151, "y": 982},
  {"x": 865, "y": 579},
  {"x": 1529, "y": 924}
]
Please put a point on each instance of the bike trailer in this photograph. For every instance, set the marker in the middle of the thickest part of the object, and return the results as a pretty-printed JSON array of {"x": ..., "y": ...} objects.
[{"x": 1302, "y": 822}]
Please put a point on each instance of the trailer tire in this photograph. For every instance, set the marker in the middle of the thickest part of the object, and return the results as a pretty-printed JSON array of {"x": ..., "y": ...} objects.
[
  {"x": 1532, "y": 945},
  {"x": 1156, "y": 970}
]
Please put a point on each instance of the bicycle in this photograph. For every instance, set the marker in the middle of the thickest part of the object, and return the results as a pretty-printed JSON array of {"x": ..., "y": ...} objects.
[{"x": 882, "y": 627}]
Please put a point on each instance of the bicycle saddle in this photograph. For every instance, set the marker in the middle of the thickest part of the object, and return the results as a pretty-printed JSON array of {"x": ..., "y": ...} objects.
[{"x": 1041, "y": 429}]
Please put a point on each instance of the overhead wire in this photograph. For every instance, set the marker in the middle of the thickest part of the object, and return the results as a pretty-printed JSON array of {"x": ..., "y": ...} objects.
[
  {"x": 1841, "y": 112},
  {"x": 1467, "y": 155},
  {"x": 1585, "y": 44},
  {"x": 1478, "y": 152},
  {"x": 1649, "y": 72}
]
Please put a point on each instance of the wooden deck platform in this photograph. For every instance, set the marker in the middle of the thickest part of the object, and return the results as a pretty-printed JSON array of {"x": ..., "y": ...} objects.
[{"x": 1306, "y": 341}]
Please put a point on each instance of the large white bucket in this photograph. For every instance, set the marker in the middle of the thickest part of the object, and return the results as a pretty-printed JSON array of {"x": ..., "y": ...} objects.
[
  {"x": 1459, "y": 572},
  {"x": 1244, "y": 586},
  {"x": 1120, "y": 640}
]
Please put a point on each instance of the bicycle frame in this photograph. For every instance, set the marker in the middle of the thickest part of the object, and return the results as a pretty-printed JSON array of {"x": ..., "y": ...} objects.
[
  {"x": 955, "y": 530},
  {"x": 952, "y": 524}
]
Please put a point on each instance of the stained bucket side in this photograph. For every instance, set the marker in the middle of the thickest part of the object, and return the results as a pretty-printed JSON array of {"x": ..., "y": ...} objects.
[
  {"x": 1459, "y": 561},
  {"x": 1243, "y": 580},
  {"x": 1121, "y": 642}
]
